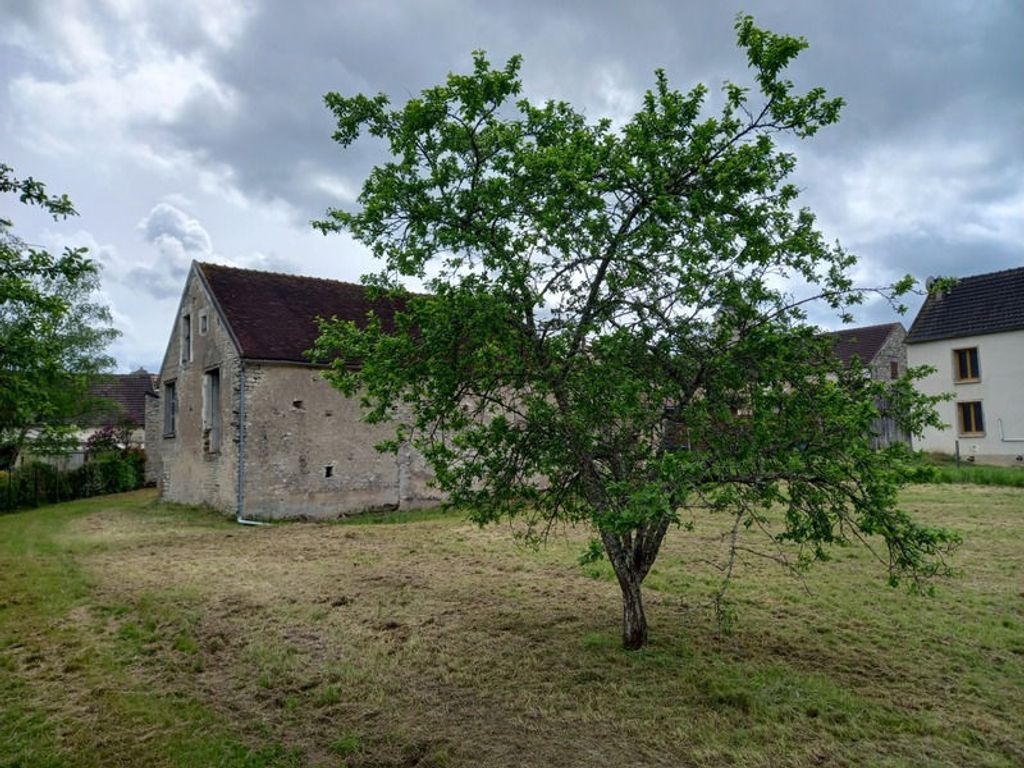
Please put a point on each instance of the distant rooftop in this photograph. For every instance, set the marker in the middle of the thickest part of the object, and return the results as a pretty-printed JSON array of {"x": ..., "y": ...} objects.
[
  {"x": 273, "y": 315},
  {"x": 975, "y": 306},
  {"x": 125, "y": 394},
  {"x": 863, "y": 343}
]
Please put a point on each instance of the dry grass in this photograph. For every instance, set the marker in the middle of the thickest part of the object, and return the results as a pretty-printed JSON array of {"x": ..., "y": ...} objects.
[{"x": 166, "y": 636}]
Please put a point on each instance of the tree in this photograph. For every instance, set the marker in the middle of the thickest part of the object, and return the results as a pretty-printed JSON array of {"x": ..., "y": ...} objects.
[
  {"x": 53, "y": 334},
  {"x": 603, "y": 339},
  {"x": 113, "y": 438}
]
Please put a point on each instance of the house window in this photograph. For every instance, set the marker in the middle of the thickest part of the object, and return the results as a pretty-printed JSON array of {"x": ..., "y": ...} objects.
[
  {"x": 204, "y": 323},
  {"x": 170, "y": 409},
  {"x": 211, "y": 411},
  {"x": 971, "y": 420},
  {"x": 894, "y": 369},
  {"x": 965, "y": 365},
  {"x": 186, "y": 338}
]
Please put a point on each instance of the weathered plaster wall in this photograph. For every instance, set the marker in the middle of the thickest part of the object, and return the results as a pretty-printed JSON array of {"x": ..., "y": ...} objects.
[
  {"x": 298, "y": 426},
  {"x": 893, "y": 350},
  {"x": 1000, "y": 389},
  {"x": 186, "y": 471}
]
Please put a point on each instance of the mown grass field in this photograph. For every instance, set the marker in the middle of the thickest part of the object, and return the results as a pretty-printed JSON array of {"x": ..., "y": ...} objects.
[{"x": 133, "y": 633}]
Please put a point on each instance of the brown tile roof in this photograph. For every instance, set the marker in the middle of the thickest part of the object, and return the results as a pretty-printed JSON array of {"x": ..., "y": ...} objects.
[
  {"x": 862, "y": 342},
  {"x": 273, "y": 315},
  {"x": 123, "y": 397},
  {"x": 977, "y": 305}
]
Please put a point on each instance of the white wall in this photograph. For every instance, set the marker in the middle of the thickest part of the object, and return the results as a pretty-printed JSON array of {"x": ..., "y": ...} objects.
[{"x": 1000, "y": 390}]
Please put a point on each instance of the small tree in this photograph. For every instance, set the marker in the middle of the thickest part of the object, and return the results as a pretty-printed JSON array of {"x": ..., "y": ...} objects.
[
  {"x": 53, "y": 334},
  {"x": 604, "y": 339},
  {"x": 111, "y": 439}
]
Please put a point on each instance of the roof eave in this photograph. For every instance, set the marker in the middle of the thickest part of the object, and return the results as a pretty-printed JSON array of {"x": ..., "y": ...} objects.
[{"x": 951, "y": 336}]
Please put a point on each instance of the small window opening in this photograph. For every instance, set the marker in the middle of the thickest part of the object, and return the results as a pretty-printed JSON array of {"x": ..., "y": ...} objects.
[
  {"x": 329, "y": 471},
  {"x": 186, "y": 338},
  {"x": 894, "y": 369},
  {"x": 298, "y": 405},
  {"x": 211, "y": 411},
  {"x": 204, "y": 323},
  {"x": 170, "y": 409}
]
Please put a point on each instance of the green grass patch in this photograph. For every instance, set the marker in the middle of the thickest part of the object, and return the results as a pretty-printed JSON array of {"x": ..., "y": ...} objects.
[
  {"x": 401, "y": 517},
  {"x": 942, "y": 469},
  {"x": 975, "y": 474},
  {"x": 345, "y": 745},
  {"x": 56, "y": 663}
]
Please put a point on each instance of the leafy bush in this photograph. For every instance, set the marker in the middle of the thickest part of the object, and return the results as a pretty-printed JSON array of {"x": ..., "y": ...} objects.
[
  {"x": 118, "y": 474},
  {"x": 40, "y": 483}
]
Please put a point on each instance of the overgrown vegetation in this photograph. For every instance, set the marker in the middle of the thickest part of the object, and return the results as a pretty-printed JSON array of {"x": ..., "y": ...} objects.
[
  {"x": 41, "y": 483},
  {"x": 54, "y": 333},
  {"x": 980, "y": 475},
  {"x": 159, "y": 635}
]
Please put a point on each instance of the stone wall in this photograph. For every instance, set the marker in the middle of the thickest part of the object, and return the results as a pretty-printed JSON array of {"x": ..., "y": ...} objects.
[
  {"x": 186, "y": 467},
  {"x": 153, "y": 440},
  {"x": 894, "y": 350},
  {"x": 308, "y": 454}
]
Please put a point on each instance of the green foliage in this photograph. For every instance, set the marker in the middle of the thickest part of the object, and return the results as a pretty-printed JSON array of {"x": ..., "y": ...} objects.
[
  {"x": 603, "y": 338},
  {"x": 594, "y": 553},
  {"x": 1012, "y": 477},
  {"x": 41, "y": 483},
  {"x": 53, "y": 334},
  {"x": 111, "y": 438}
]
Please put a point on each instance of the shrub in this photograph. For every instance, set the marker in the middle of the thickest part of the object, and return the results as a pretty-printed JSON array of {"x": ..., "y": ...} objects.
[{"x": 40, "y": 483}]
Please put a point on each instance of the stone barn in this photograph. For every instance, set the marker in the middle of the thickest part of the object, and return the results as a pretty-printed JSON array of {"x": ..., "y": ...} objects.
[
  {"x": 241, "y": 421},
  {"x": 883, "y": 351}
]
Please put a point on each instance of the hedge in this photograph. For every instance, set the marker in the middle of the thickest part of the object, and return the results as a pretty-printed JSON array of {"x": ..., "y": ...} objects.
[{"x": 40, "y": 483}]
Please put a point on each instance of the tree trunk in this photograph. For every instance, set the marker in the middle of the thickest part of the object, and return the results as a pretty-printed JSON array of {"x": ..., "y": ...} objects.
[
  {"x": 632, "y": 554},
  {"x": 634, "y": 622}
]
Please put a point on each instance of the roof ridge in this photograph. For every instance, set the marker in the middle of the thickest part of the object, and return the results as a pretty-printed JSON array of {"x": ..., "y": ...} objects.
[
  {"x": 988, "y": 274},
  {"x": 273, "y": 273},
  {"x": 868, "y": 327}
]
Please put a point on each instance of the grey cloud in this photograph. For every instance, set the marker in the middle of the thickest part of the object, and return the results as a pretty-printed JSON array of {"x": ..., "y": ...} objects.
[
  {"x": 179, "y": 239},
  {"x": 923, "y": 174},
  {"x": 910, "y": 72},
  {"x": 168, "y": 221}
]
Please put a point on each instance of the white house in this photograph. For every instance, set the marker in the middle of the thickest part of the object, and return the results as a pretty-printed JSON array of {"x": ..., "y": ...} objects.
[{"x": 973, "y": 335}]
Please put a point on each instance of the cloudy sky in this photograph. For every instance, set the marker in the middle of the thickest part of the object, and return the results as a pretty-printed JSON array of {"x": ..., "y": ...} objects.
[{"x": 195, "y": 130}]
